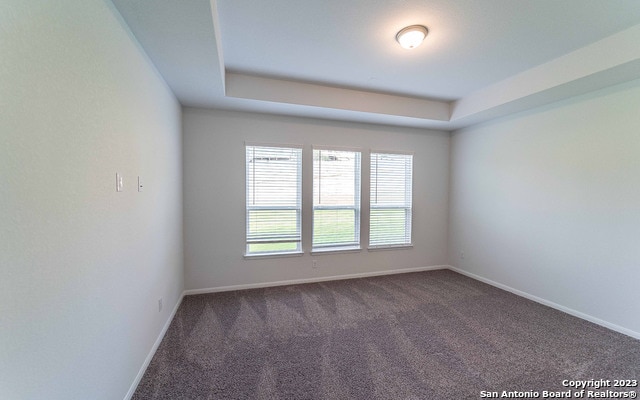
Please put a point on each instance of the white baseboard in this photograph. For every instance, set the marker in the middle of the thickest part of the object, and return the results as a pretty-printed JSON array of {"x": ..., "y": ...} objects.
[
  {"x": 312, "y": 280},
  {"x": 154, "y": 348},
  {"x": 570, "y": 311}
]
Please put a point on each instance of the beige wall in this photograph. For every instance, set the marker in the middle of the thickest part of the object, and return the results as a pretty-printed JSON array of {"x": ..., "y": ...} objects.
[
  {"x": 81, "y": 266},
  {"x": 547, "y": 202},
  {"x": 214, "y": 193}
]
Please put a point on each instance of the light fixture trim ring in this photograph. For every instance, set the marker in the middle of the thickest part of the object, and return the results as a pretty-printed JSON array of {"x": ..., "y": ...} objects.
[{"x": 412, "y": 28}]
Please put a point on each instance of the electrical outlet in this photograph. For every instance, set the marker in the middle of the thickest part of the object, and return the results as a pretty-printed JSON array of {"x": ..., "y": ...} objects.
[
  {"x": 314, "y": 263},
  {"x": 159, "y": 304}
]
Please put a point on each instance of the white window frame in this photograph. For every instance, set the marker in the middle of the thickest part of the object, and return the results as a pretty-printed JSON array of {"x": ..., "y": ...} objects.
[
  {"x": 408, "y": 208},
  {"x": 248, "y": 208},
  {"x": 332, "y": 247}
]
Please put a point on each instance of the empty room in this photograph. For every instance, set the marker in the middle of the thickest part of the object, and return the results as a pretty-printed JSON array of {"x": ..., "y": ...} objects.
[{"x": 285, "y": 199}]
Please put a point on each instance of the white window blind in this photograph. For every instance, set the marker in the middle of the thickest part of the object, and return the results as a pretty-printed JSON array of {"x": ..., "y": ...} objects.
[
  {"x": 274, "y": 199},
  {"x": 391, "y": 205},
  {"x": 336, "y": 199}
]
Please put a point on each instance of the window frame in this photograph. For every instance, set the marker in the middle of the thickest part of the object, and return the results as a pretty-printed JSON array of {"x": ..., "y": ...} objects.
[
  {"x": 299, "y": 208},
  {"x": 357, "y": 208},
  {"x": 408, "y": 209}
]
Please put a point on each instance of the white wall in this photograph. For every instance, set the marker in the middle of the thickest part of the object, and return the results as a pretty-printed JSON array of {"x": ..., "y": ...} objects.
[
  {"x": 214, "y": 195},
  {"x": 81, "y": 266},
  {"x": 548, "y": 202}
]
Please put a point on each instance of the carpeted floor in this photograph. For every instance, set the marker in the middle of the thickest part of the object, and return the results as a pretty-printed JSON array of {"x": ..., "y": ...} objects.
[{"x": 427, "y": 335}]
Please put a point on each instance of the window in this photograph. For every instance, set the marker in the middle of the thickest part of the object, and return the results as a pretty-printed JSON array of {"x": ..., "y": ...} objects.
[
  {"x": 336, "y": 199},
  {"x": 274, "y": 200},
  {"x": 390, "y": 212}
]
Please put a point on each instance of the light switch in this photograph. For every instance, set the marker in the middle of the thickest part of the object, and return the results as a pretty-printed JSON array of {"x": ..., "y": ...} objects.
[
  {"x": 119, "y": 183},
  {"x": 139, "y": 184}
]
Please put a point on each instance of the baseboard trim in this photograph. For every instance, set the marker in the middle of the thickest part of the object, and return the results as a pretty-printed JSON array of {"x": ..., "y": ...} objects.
[
  {"x": 154, "y": 348},
  {"x": 570, "y": 311},
  {"x": 311, "y": 280}
]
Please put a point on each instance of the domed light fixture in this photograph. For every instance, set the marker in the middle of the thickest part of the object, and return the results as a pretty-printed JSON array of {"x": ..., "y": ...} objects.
[{"x": 412, "y": 36}]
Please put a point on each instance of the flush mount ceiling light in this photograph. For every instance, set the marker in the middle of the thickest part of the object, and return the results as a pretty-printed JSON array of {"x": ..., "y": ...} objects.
[{"x": 411, "y": 36}]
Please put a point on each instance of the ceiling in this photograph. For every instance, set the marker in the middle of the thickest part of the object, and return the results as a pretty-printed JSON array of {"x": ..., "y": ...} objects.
[{"x": 339, "y": 59}]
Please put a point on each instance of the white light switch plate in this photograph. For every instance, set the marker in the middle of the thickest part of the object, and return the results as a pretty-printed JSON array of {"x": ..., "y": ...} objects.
[
  {"x": 140, "y": 187},
  {"x": 119, "y": 183}
]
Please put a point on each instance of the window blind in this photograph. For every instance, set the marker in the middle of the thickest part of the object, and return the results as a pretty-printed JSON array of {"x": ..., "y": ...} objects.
[
  {"x": 336, "y": 199},
  {"x": 391, "y": 203},
  {"x": 273, "y": 199}
]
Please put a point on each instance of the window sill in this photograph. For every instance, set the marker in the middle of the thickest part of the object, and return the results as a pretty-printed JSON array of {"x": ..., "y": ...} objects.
[
  {"x": 393, "y": 247},
  {"x": 333, "y": 250},
  {"x": 273, "y": 255}
]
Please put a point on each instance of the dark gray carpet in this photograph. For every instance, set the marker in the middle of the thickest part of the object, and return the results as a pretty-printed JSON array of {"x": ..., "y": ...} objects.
[{"x": 427, "y": 335}]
